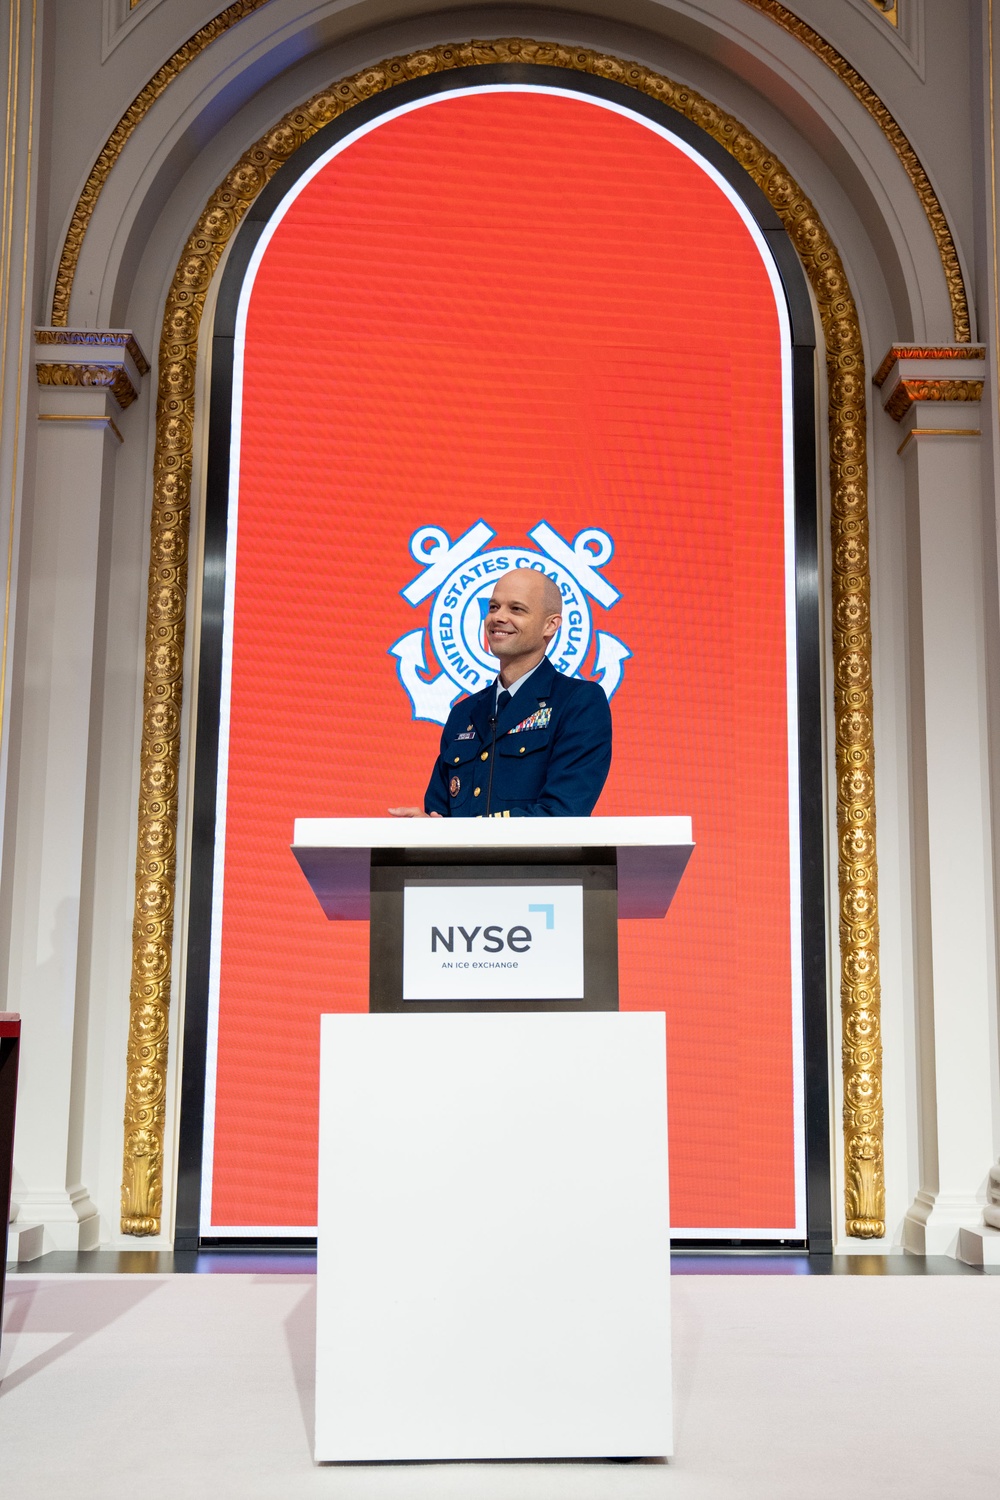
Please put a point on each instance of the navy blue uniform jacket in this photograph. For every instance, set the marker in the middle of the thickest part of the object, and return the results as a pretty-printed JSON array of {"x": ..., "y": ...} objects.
[{"x": 553, "y": 752}]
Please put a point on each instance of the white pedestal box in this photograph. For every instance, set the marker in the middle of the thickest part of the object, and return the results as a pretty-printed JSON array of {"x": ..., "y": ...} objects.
[{"x": 493, "y": 1278}]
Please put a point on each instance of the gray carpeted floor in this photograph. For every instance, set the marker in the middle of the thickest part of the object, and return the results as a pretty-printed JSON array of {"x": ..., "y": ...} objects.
[{"x": 201, "y": 1386}]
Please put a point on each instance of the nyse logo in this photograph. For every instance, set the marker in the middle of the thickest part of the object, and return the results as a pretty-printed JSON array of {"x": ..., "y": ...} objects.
[
  {"x": 489, "y": 942},
  {"x": 492, "y": 939}
]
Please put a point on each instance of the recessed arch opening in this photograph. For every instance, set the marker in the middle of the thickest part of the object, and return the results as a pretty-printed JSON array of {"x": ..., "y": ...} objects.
[{"x": 644, "y": 385}]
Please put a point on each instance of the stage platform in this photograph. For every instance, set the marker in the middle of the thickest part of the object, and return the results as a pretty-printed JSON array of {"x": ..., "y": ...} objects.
[
  {"x": 236, "y": 1259},
  {"x": 787, "y": 1383}
]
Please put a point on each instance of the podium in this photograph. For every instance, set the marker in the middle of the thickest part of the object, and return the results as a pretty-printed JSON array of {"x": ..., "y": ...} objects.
[
  {"x": 493, "y": 1257},
  {"x": 382, "y": 869}
]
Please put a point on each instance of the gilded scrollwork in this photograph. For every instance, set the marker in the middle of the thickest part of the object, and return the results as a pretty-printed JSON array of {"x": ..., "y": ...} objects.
[
  {"x": 907, "y": 392},
  {"x": 888, "y": 8},
  {"x": 96, "y": 338},
  {"x": 233, "y": 14},
  {"x": 900, "y": 143},
  {"x": 108, "y": 377},
  {"x": 113, "y": 146},
  {"x": 926, "y": 351},
  {"x": 175, "y": 423}
]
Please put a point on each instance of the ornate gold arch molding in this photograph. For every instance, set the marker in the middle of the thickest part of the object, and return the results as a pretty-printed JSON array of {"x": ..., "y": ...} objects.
[
  {"x": 160, "y": 755},
  {"x": 779, "y": 14},
  {"x": 900, "y": 143}
]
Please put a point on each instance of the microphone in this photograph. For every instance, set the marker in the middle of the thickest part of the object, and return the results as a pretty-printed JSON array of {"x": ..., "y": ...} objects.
[
  {"x": 493, "y": 756},
  {"x": 498, "y": 708}
]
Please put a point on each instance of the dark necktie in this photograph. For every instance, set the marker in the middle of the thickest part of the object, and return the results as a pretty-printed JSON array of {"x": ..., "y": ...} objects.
[{"x": 503, "y": 698}]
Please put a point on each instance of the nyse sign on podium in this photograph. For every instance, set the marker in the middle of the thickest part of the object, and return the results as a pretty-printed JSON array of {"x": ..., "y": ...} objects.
[{"x": 493, "y": 942}]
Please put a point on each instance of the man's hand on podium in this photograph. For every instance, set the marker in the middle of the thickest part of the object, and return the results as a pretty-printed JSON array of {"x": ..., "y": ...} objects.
[{"x": 411, "y": 812}]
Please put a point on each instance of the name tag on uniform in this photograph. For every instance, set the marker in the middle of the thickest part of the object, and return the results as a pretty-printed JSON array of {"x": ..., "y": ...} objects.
[
  {"x": 470, "y": 734},
  {"x": 539, "y": 720}
]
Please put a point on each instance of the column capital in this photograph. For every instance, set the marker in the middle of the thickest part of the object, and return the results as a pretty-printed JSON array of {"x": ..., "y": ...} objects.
[
  {"x": 91, "y": 358},
  {"x": 912, "y": 373}
]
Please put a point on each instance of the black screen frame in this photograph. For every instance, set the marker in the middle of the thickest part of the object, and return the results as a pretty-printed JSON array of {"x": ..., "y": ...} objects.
[{"x": 810, "y": 702}]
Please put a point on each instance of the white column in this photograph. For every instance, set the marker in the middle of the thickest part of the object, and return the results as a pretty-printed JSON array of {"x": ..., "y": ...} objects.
[
  {"x": 979, "y": 1244},
  {"x": 20, "y": 73},
  {"x": 20, "y": 70},
  {"x": 84, "y": 380},
  {"x": 954, "y": 899}
]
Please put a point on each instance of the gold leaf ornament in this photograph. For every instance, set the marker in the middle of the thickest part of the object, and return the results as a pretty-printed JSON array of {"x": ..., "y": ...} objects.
[{"x": 156, "y": 860}]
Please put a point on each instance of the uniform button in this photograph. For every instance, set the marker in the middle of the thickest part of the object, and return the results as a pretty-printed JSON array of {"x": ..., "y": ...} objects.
[
  {"x": 485, "y": 755},
  {"x": 457, "y": 759},
  {"x": 476, "y": 792},
  {"x": 522, "y": 749}
]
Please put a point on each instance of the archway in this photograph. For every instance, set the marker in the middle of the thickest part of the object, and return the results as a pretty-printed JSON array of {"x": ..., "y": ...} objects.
[{"x": 727, "y": 284}]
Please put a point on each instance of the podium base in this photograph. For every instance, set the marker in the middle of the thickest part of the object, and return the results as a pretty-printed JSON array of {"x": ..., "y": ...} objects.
[{"x": 493, "y": 1272}]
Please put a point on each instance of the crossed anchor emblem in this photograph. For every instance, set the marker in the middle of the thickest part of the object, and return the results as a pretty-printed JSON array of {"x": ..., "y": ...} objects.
[{"x": 459, "y": 576}]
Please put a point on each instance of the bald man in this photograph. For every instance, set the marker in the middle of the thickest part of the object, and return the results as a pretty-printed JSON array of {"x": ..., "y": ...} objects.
[{"x": 534, "y": 744}]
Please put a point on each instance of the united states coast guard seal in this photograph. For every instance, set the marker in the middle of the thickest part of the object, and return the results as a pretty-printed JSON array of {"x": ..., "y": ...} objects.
[{"x": 458, "y": 576}]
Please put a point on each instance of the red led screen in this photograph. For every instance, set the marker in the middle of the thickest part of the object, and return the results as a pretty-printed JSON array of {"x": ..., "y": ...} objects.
[{"x": 512, "y": 307}]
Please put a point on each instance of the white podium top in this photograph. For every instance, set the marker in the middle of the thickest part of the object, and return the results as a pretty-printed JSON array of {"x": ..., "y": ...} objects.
[{"x": 335, "y": 853}]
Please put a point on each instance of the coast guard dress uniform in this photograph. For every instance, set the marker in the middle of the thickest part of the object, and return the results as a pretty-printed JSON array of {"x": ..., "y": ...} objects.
[{"x": 546, "y": 755}]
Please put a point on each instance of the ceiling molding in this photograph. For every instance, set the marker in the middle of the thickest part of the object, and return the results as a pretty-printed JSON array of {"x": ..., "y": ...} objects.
[{"x": 793, "y": 25}]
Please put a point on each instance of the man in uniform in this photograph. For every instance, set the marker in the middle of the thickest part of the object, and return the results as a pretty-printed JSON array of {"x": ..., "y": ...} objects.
[{"x": 534, "y": 744}]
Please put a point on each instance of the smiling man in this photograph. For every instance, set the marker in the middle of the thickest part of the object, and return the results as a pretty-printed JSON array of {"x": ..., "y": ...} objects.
[{"x": 534, "y": 744}]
